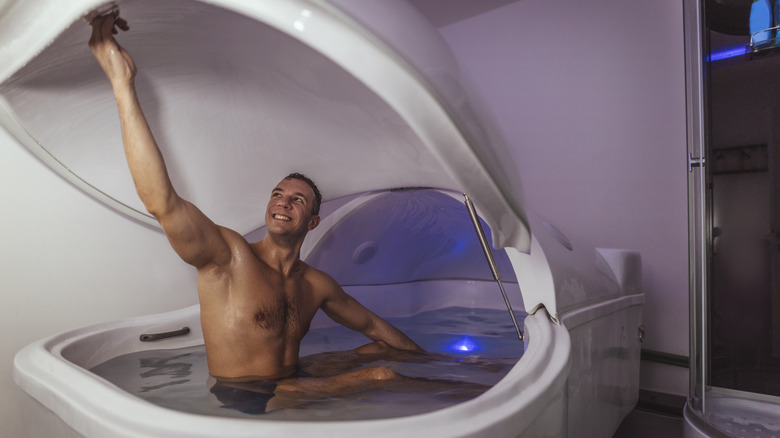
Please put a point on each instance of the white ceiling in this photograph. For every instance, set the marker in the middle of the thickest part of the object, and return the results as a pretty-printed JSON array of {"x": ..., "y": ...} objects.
[{"x": 444, "y": 12}]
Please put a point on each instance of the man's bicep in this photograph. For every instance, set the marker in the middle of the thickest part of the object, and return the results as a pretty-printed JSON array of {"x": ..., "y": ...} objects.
[{"x": 194, "y": 237}]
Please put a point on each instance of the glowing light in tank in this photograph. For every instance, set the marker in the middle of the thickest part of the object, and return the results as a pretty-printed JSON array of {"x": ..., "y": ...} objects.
[
  {"x": 460, "y": 246},
  {"x": 464, "y": 344}
]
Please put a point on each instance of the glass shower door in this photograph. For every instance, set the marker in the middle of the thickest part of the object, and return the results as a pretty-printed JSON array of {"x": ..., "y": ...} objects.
[{"x": 734, "y": 228}]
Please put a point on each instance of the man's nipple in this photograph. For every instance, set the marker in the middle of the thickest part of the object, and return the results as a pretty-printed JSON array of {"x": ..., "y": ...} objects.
[{"x": 260, "y": 318}]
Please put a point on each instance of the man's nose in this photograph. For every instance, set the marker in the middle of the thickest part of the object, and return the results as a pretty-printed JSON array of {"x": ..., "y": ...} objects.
[{"x": 284, "y": 201}]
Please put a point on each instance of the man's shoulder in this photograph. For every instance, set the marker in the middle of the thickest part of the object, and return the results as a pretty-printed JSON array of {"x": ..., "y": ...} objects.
[
  {"x": 319, "y": 279},
  {"x": 232, "y": 236},
  {"x": 236, "y": 243},
  {"x": 313, "y": 273}
]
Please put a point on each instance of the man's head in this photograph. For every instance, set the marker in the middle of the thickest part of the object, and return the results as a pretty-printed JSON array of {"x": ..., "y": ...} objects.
[
  {"x": 294, "y": 206},
  {"x": 315, "y": 209}
]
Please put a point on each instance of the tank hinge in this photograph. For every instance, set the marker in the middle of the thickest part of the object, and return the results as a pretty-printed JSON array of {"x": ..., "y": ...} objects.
[{"x": 694, "y": 162}]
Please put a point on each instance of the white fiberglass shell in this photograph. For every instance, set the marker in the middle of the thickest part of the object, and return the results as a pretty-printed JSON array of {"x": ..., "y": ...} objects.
[
  {"x": 54, "y": 371},
  {"x": 240, "y": 92},
  {"x": 578, "y": 375},
  {"x": 360, "y": 96}
]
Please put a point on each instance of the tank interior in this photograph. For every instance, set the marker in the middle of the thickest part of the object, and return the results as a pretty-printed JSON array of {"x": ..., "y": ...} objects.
[{"x": 405, "y": 236}]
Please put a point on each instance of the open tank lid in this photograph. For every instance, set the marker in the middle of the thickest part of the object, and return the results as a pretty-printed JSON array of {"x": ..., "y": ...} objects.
[{"x": 360, "y": 95}]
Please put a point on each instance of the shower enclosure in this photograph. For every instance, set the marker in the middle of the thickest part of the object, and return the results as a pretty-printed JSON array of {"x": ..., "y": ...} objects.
[{"x": 734, "y": 219}]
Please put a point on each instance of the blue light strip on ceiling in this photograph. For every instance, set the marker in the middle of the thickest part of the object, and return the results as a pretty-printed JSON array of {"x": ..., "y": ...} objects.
[{"x": 728, "y": 53}]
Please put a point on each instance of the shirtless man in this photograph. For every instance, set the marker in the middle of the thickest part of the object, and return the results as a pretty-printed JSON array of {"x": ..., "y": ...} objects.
[{"x": 257, "y": 299}]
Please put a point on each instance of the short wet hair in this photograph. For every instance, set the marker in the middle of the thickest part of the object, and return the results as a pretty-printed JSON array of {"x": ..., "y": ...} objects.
[{"x": 315, "y": 209}]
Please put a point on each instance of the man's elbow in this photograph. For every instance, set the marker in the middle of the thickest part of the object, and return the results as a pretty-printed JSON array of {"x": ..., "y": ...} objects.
[{"x": 160, "y": 206}]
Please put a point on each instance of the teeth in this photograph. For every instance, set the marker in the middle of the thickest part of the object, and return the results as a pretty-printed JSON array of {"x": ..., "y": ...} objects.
[{"x": 280, "y": 217}]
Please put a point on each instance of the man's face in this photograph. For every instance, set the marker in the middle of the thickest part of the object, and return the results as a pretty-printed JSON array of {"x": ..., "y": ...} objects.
[{"x": 290, "y": 206}]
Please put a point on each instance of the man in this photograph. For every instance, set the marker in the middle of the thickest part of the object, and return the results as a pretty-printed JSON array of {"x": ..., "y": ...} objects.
[{"x": 257, "y": 300}]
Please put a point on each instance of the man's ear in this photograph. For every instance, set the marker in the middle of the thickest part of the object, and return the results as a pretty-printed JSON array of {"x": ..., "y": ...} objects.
[{"x": 313, "y": 222}]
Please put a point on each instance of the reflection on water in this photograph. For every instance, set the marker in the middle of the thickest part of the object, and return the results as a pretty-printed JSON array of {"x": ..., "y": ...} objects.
[
  {"x": 171, "y": 367},
  {"x": 468, "y": 351}
]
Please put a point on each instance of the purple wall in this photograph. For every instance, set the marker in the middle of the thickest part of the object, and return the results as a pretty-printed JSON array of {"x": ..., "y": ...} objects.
[{"x": 591, "y": 98}]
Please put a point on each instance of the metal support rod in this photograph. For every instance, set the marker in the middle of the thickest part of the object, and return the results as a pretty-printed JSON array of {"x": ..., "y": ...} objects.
[{"x": 490, "y": 259}]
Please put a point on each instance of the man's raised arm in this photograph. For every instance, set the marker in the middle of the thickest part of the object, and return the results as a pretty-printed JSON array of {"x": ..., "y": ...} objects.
[{"x": 196, "y": 239}]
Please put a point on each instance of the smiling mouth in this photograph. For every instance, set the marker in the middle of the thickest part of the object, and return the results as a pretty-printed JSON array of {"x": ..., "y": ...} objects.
[{"x": 282, "y": 217}]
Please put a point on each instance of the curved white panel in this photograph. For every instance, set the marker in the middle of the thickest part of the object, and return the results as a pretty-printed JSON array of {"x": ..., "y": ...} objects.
[{"x": 240, "y": 93}]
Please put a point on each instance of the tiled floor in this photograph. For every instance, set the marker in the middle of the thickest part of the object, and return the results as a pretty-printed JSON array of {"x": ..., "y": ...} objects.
[{"x": 645, "y": 424}]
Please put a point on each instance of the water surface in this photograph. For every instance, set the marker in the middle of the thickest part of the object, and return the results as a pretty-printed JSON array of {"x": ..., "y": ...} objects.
[{"x": 467, "y": 351}]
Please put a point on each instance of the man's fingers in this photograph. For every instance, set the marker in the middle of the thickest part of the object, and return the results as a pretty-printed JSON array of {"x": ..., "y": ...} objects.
[
  {"x": 105, "y": 27},
  {"x": 96, "y": 37},
  {"x": 100, "y": 25},
  {"x": 122, "y": 24}
]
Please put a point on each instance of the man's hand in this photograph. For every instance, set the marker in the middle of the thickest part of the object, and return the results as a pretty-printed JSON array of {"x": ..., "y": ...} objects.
[{"x": 114, "y": 60}]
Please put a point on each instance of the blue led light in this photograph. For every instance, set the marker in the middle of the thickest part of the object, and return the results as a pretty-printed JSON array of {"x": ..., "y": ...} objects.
[
  {"x": 728, "y": 53},
  {"x": 464, "y": 344},
  {"x": 460, "y": 246}
]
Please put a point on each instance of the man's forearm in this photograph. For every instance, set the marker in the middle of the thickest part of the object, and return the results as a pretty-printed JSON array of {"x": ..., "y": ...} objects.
[
  {"x": 143, "y": 156},
  {"x": 390, "y": 335},
  {"x": 146, "y": 163}
]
